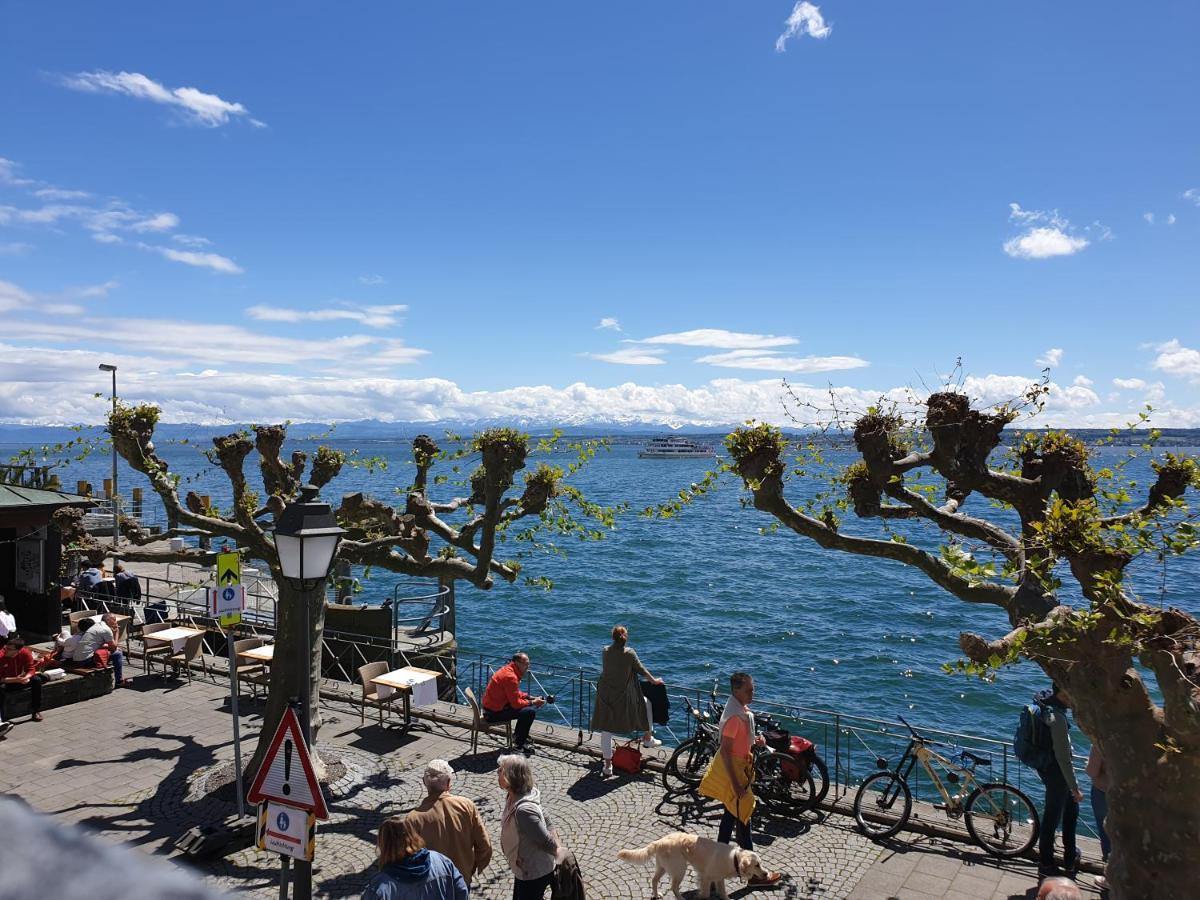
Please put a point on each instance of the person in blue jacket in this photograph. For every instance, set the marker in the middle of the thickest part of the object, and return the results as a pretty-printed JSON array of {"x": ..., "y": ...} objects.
[{"x": 409, "y": 871}]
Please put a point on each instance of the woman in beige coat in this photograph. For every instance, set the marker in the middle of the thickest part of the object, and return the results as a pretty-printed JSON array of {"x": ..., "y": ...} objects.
[{"x": 620, "y": 705}]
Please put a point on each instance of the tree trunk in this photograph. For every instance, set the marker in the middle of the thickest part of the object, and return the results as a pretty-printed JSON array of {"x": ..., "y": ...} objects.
[
  {"x": 1153, "y": 795},
  {"x": 1154, "y": 824},
  {"x": 297, "y": 657}
]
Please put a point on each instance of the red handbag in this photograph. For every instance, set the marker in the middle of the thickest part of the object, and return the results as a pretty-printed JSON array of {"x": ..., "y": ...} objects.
[{"x": 627, "y": 758}]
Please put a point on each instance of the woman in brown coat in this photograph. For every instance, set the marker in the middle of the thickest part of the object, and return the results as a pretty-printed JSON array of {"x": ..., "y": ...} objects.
[{"x": 620, "y": 704}]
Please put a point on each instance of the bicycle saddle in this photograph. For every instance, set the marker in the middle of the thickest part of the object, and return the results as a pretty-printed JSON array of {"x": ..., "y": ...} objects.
[{"x": 978, "y": 760}]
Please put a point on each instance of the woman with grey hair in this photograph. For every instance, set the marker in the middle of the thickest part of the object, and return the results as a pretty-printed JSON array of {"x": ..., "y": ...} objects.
[{"x": 525, "y": 831}]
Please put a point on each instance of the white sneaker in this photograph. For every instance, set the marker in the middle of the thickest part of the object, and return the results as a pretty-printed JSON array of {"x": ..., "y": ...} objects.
[
  {"x": 651, "y": 742},
  {"x": 5, "y": 728},
  {"x": 607, "y": 770},
  {"x": 1101, "y": 882}
]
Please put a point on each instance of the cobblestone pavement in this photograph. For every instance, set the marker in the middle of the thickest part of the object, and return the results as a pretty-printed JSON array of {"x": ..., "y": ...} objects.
[{"x": 138, "y": 766}]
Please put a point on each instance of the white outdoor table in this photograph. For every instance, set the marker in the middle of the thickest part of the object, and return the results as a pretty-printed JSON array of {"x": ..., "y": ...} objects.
[{"x": 402, "y": 680}]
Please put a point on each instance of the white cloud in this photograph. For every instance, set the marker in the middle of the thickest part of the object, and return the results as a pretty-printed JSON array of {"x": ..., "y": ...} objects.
[
  {"x": 159, "y": 222},
  {"x": 610, "y": 323},
  {"x": 51, "y": 193},
  {"x": 719, "y": 339},
  {"x": 372, "y": 280},
  {"x": 15, "y": 248},
  {"x": 1171, "y": 220},
  {"x": 1050, "y": 358},
  {"x": 213, "y": 261},
  {"x": 40, "y": 384},
  {"x": 1129, "y": 384},
  {"x": 1192, "y": 194},
  {"x": 13, "y": 297},
  {"x": 374, "y": 316},
  {"x": 191, "y": 240},
  {"x": 631, "y": 356},
  {"x": 1149, "y": 217},
  {"x": 1046, "y": 234},
  {"x": 94, "y": 291},
  {"x": 1176, "y": 359},
  {"x": 805, "y": 19},
  {"x": 8, "y": 174},
  {"x": 769, "y": 360},
  {"x": 194, "y": 105},
  {"x": 1043, "y": 243},
  {"x": 216, "y": 343},
  {"x": 1082, "y": 381}
]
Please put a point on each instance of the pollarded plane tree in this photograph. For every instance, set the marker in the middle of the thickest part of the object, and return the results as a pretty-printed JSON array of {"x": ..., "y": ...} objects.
[
  {"x": 455, "y": 538},
  {"x": 1060, "y": 519}
]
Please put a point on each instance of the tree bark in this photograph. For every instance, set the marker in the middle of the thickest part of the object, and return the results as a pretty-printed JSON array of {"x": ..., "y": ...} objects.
[{"x": 297, "y": 657}]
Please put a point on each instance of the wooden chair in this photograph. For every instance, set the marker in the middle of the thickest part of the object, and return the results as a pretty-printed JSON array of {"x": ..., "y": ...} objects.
[
  {"x": 370, "y": 692},
  {"x": 479, "y": 723},
  {"x": 184, "y": 658},
  {"x": 155, "y": 648},
  {"x": 74, "y": 617},
  {"x": 254, "y": 673}
]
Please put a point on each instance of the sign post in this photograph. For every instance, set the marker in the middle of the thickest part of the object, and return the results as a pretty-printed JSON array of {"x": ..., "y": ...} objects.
[
  {"x": 289, "y": 797},
  {"x": 227, "y": 600}
]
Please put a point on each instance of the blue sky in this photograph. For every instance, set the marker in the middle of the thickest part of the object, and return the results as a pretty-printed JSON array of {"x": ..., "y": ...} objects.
[{"x": 423, "y": 211}]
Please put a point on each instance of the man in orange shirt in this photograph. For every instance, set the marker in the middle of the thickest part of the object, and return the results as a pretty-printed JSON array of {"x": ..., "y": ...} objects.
[{"x": 504, "y": 700}]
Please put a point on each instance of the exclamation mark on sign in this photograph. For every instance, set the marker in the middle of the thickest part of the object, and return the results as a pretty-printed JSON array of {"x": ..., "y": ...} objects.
[{"x": 287, "y": 767}]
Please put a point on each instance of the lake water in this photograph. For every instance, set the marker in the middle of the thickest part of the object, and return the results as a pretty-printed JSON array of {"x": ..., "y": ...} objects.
[{"x": 707, "y": 593}]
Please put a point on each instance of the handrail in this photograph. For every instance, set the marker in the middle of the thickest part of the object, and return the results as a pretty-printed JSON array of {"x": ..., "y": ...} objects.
[{"x": 844, "y": 740}]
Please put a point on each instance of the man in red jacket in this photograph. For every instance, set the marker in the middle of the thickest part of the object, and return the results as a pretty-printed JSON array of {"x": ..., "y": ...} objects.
[
  {"x": 18, "y": 671},
  {"x": 504, "y": 700}
]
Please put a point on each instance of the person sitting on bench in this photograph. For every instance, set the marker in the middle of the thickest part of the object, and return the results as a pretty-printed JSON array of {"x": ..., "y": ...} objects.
[
  {"x": 98, "y": 647},
  {"x": 18, "y": 672}
]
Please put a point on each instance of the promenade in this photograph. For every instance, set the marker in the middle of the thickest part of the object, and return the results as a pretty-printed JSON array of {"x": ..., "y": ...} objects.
[{"x": 143, "y": 765}]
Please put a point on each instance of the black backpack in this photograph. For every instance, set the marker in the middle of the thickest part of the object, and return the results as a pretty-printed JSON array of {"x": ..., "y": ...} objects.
[{"x": 1032, "y": 741}]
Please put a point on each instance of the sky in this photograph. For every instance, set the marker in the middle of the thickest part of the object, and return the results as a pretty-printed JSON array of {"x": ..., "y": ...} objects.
[{"x": 626, "y": 212}]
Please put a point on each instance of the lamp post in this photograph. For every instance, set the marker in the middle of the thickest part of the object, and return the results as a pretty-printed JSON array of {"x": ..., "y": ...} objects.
[
  {"x": 116, "y": 534},
  {"x": 306, "y": 539}
]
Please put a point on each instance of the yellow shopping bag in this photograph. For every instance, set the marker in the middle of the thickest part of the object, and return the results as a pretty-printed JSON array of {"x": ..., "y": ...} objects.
[{"x": 716, "y": 784}]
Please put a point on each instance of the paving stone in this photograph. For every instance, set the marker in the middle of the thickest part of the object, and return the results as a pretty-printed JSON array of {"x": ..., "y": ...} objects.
[{"x": 136, "y": 765}]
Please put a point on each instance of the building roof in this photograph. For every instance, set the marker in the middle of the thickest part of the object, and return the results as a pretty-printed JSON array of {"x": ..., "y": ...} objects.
[{"x": 14, "y": 496}]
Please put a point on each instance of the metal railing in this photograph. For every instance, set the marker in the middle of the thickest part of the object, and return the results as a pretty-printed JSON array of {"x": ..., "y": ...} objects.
[
  {"x": 849, "y": 744},
  {"x": 430, "y": 605}
]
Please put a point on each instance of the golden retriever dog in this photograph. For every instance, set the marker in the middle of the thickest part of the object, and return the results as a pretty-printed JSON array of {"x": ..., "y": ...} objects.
[{"x": 713, "y": 862}]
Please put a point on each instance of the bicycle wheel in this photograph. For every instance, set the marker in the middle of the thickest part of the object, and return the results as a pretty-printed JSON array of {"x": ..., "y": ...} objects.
[
  {"x": 1001, "y": 819},
  {"x": 783, "y": 782},
  {"x": 820, "y": 776},
  {"x": 882, "y": 805},
  {"x": 688, "y": 763}
]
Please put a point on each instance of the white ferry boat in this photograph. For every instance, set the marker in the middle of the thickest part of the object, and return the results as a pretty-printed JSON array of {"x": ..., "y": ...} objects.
[{"x": 674, "y": 448}]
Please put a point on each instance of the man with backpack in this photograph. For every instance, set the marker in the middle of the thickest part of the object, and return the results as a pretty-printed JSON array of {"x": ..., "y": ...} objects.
[{"x": 1043, "y": 742}]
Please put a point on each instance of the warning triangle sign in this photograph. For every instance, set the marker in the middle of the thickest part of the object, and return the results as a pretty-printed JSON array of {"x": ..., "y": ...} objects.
[{"x": 286, "y": 775}]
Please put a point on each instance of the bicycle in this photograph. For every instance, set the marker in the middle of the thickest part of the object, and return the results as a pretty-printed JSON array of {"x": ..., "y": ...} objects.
[
  {"x": 1000, "y": 818},
  {"x": 782, "y": 778}
]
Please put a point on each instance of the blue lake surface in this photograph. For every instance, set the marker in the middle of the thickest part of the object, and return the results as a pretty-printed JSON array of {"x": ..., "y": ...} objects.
[{"x": 707, "y": 593}]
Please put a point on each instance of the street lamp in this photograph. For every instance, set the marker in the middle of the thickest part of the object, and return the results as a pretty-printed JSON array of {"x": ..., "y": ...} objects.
[
  {"x": 106, "y": 367},
  {"x": 306, "y": 540}
]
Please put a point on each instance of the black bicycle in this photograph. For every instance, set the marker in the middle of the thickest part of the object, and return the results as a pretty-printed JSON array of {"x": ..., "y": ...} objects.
[
  {"x": 1000, "y": 819},
  {"x": 782, "y": 777}
]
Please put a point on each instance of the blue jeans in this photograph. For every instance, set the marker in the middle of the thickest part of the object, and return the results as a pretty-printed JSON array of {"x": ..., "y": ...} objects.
[
  {"x": 116, "y": 659},
  {"x": 1100, "y": 811},
  {"x": 1061, "y": 808}
]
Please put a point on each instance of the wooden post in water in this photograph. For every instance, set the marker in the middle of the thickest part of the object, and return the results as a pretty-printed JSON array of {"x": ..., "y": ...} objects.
[
  {"x": 136, "y": 502},
  {"x": 108, "y": 489}
]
